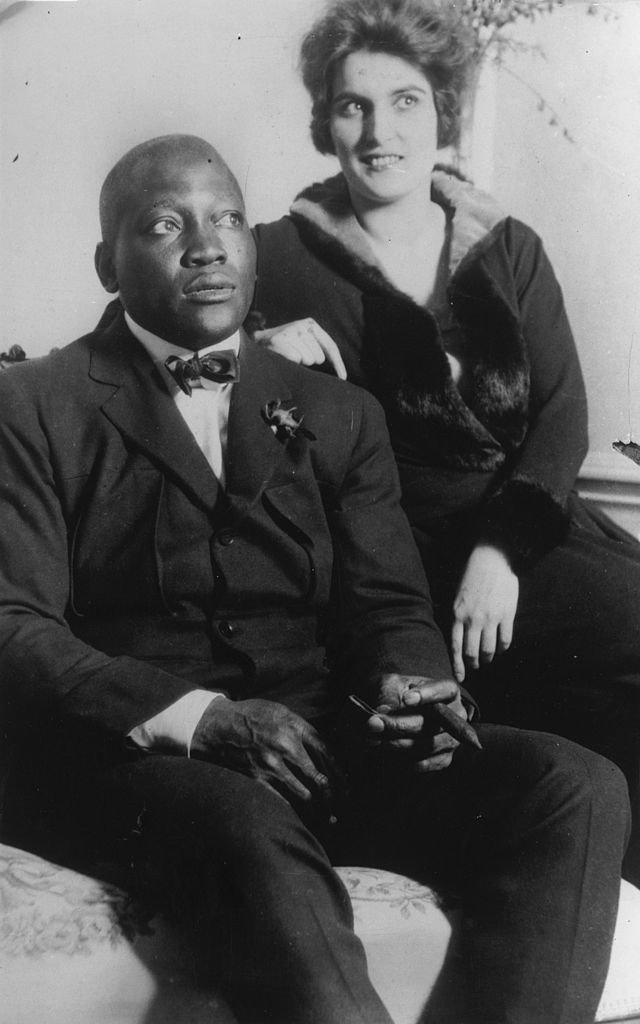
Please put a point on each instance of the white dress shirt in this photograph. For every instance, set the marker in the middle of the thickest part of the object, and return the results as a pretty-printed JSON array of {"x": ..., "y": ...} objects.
[
  {"x": 206, "y": 413},
  {"x": 206, "y": 409}
]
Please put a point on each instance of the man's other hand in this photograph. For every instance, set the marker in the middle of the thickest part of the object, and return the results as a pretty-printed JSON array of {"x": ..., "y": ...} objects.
[
  {"x": 405, "y": 724},
  {"x": 269, "y": 743}
]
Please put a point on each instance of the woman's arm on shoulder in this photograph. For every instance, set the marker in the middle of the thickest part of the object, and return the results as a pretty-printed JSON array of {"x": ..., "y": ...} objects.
[
  {"x": 304, "y": 342},
  {"x": 281, "y": 298}
]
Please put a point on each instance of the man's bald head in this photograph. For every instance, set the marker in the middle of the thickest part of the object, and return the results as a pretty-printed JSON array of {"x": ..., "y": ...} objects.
[
  {"x": 176, "y": 243},
  {"x": 139, "y": 165}
]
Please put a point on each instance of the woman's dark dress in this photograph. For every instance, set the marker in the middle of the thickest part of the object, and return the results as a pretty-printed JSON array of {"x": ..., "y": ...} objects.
[{"x": 493, "y": 457}]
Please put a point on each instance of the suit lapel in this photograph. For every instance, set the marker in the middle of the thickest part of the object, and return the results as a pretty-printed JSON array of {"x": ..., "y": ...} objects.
[
  {"x": 253, "y": 451},
  {"x": 141, "y": 408}
]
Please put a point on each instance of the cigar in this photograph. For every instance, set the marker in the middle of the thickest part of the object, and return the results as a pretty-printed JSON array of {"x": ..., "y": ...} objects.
[
  {"x": 451, "y": 722},
  {"x": 457, "y": 727}
]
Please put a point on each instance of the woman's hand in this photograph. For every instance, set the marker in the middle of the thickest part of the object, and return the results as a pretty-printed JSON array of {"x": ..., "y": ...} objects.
[
  {"x": 484, "y": 609},
  {"x": 303, "y": 341}
]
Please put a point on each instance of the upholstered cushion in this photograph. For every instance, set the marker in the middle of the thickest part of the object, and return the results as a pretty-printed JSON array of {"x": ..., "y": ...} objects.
[
  {"x": 621, "y": 996},
  {"x": 77, "y": 950},
  {"x": 405, "y": 935}
]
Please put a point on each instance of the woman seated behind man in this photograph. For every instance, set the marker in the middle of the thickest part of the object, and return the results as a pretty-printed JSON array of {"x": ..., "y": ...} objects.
[{"x": 416, "y": 286}]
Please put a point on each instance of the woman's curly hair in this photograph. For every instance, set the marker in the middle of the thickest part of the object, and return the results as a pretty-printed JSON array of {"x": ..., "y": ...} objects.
[{"x": 425, "y": 33}]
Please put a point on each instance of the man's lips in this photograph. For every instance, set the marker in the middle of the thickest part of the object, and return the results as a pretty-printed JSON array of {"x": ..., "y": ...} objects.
[{"x": 209, "y": 288}]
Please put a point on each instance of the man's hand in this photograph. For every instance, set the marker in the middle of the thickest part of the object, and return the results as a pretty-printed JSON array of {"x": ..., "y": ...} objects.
[
  {"x": 303, "y": 341},
  {"x": 269, "y": 743},
  {"x": 404, "y": 724},
  {"x": 484, "y": 610}
]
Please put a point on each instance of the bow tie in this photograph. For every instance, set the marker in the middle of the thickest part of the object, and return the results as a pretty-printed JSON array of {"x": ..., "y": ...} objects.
[{"x": 220, "y": 366}]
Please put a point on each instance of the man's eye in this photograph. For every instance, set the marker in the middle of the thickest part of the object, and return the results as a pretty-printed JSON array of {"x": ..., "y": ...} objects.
[
  {"x": 165, "y": 226},
  {"x": 231, "y": 219}
]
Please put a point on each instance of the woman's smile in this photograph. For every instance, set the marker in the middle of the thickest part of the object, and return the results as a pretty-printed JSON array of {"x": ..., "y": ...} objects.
[{"x": 382, "y": 162}]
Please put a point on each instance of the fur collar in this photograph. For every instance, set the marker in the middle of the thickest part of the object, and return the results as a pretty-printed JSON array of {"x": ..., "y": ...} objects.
[
  {"x": 430, "y": 422},
  {"x": 326, "y": 207},
  {"x": 412, "y": 377}
]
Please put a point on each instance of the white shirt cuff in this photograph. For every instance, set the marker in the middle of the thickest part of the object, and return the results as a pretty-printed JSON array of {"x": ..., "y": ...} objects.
[{"x": 173, "y": 728}]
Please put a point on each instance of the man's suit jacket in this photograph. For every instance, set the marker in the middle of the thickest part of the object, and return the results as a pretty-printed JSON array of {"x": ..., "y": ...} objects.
[{"x": 128, "y": 576}]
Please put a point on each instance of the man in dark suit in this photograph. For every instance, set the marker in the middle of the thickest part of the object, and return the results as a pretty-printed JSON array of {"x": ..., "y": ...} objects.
[{"x": 199, "y": 561}]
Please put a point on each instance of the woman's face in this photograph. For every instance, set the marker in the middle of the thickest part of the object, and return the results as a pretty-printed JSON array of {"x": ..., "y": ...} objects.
[{"x": 384, "y": 126}]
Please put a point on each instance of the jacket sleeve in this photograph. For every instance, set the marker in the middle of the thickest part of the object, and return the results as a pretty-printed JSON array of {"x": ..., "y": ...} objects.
[
  {"x": 383, "y": 617},
  {"x": 527, "y": 515},
  {"x": 54, "y": 688}
]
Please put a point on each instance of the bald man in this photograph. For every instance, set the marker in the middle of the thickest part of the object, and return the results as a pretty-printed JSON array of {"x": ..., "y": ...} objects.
[{"x": 202, "y": 555}]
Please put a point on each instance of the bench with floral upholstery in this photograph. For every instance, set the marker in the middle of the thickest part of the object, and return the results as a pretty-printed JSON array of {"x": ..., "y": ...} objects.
[{"x": 75, "y": 950}]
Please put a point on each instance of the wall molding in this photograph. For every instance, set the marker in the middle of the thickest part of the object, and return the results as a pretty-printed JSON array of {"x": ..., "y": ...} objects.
[
  {"x": 611, "y": 467},
  {"x": 613, "y": 482}
]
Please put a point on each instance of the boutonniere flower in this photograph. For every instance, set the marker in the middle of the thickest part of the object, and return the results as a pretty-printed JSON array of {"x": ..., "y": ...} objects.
[{"x": 285, "y": 421}]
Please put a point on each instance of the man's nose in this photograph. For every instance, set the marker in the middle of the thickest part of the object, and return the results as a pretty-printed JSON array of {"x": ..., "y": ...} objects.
[{"x": 204, "y": 246}]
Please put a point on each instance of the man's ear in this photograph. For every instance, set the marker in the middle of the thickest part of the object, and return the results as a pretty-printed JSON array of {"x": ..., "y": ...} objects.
[{"x": 105, "y": 268}]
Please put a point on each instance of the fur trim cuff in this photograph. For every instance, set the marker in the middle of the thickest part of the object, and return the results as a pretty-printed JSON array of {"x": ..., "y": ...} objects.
[{"x": 525, "y": 521}]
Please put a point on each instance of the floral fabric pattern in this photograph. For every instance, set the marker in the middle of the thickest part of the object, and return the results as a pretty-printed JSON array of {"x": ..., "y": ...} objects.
[
  {"x": 400, "y": 894},
  {"x": 47, "y": 908}
]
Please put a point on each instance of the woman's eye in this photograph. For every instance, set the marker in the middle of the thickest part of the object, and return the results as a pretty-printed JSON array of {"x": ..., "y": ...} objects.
[
  {"x": 350, "y": 109},
  {"x": 404, "y": 102},
  {"x": 231, "y": 219},
  {"x": 166, "y": 226}
]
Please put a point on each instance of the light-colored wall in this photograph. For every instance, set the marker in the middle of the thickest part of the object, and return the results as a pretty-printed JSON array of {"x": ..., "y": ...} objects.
[
  {"x": 82, "y": 81},
  {"x": 583, "y": 197}
]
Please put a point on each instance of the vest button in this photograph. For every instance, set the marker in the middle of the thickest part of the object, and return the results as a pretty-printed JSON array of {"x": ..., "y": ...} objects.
[
  {"x": 225, "y": 537},
  {"x": 225, "y": 629}
]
